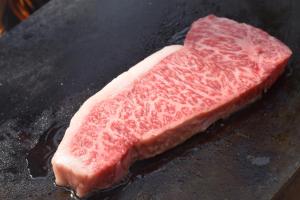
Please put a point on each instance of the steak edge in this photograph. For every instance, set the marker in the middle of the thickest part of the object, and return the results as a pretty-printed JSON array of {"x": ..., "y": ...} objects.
[{"x": 71, "y": 172}]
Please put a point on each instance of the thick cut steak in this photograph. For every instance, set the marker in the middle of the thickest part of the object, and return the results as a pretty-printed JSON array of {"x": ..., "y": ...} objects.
[{"x": 165, "y": 99}]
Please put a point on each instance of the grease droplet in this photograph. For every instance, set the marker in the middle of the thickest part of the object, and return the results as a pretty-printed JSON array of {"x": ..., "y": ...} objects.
[
  {"x": 259, "y": 161},
  {"x": 39, "y": 158}
]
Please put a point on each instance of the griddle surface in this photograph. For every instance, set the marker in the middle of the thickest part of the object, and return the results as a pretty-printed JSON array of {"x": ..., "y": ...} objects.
[{"x": 68, "y": 50}]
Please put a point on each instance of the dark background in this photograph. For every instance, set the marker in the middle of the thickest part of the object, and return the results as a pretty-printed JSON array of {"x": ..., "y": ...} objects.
[{"x": 70, "y": 49}]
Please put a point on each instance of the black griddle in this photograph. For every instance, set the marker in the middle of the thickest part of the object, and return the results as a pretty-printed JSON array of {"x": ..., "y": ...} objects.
[{"x": 68, "y": 50}]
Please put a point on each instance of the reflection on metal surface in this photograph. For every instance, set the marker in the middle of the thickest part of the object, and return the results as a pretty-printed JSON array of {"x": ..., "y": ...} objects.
[
  {"x": 2, "y": 8},
  {"x": 14, "y": 11},
  {"x": 21, "y": 8}
]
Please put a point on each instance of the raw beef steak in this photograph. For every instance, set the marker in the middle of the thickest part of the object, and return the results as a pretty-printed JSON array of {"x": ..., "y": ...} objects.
[{"x": 165, "y": 99}]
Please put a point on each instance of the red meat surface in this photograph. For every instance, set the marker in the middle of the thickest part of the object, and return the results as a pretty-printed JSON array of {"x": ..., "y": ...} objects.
[{"x": 165, "y": 99}]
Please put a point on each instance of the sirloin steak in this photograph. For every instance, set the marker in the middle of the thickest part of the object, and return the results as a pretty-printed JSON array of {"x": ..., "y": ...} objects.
[{"x": 165, "y": 99}]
